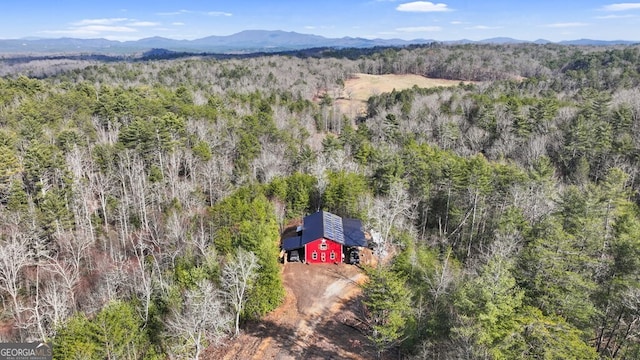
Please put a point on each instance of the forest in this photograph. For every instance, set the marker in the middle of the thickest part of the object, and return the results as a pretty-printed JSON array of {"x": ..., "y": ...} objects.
[{"x": 141, "y": 203}]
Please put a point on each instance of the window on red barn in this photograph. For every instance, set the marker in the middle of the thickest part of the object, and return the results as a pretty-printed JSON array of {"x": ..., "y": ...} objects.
[
  {"x": 314, "y": 255},
  {"x": 333, "y": 255},
  {"x": 323, "y": 246},
  {"x": 324, "y": 257}
]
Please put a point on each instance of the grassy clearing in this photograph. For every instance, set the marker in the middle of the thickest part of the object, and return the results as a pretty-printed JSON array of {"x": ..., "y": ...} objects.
[
  {"x": 364, "y": 85},
  {"x": 358, "y": 89}
]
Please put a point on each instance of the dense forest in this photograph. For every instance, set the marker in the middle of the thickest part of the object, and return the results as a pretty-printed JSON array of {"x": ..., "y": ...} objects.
[{"x": 141, "y": 203}]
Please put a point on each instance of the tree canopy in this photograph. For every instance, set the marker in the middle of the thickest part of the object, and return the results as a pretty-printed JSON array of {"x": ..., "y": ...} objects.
[{"x": 507, "y": 205}]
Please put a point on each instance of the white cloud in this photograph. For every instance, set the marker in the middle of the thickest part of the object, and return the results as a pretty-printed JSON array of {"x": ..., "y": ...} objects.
[
  {"x": 309, "y": 27},
  {"x": 121, "y": 37},
  {"x": 174, "y": 13},
  {"x": 565, "y": 25},
  {"x": 143, "y": 23},
  {"x": 616, "y": 16},
  {"x": 484, "y": 27},
  {"x": 456, "y": 22},
  {"x": 412, "y": 29},
  {"x": 90, "y": 30},
  {"x": 423, "y": 6},
  {"x": 108, "y": 21},
  {"x": 177, "y": 23},
  {"x": 183, "y": 11},
  {"x": 106, "y": 28},
  {"x": 69, "y": 32},
  {"x": 621, "y": 7},
  {"x": 219, "y": 13}
]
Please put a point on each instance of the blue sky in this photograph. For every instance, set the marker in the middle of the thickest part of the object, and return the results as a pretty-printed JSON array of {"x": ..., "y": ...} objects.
[{"x": 447, "y": 20}]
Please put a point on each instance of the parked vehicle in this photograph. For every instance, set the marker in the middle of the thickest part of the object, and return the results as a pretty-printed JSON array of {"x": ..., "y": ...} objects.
[
  {"x": 354, "y": 257},
  {"x": 294, "y": 256}
]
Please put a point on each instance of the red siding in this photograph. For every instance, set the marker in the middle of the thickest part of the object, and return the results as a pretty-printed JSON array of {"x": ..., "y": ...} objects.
[{"x": 326, "y": 251}]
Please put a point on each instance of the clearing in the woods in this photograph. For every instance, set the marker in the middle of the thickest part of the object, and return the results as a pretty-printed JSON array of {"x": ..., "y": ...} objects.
[
  {"x": 318, "y": 320},
  {"x": 360, "y": 87}
]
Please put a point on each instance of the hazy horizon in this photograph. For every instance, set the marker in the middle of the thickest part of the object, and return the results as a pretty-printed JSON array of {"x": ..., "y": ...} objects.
[{"x": 371, "y": 19}]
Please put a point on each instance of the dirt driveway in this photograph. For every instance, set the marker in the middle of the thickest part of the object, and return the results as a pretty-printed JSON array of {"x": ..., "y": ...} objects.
[{"x": 318, "y": 319}]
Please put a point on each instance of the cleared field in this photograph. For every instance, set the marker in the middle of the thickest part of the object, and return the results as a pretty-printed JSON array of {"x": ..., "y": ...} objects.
[
  {"x": 362, "y": 86},
  {"x": 358, "y": 89}
]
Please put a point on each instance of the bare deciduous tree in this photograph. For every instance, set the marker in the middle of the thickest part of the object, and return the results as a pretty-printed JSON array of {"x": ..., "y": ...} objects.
[
  {"x": 143, "y": 278},
  {"x": 238, "y": 276},
  {"x": 390, "y": 211},
  {"x": 69, "y": 275},
  {"x": 271, "y": 163},
  {"x": 48, "y": 308},
  {"x": 79, "y": 163},
  {"x": 202, "y": 317},
  {"x": 14, "y": 256},
  {"x": 56, "y": 300}
]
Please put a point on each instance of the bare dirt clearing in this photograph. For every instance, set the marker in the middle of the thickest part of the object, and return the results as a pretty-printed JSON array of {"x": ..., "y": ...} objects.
[
  {"x": 357, "y": 90},
  {"x": 316, "y": 321}
]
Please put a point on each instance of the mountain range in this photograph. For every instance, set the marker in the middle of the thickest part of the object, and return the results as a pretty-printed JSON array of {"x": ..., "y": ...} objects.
[{"x": 243, "y": 42}]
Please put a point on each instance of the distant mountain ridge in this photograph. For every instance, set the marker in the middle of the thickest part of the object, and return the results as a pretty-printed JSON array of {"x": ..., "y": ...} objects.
[{"x": 244, "y": 41}]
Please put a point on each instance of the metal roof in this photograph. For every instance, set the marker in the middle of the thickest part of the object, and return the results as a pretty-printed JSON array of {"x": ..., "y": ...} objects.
[
  {"x": 353, "y": 233},
  {"x": 292, "y": 243},
  {"x": 322, "y": 225},
  {"x": 333, "y": 229},
  {"x": 326, "y": 225}
]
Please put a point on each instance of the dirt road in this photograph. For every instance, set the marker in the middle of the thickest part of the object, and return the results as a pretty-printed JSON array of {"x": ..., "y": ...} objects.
[{"x": 315, "y": 322}]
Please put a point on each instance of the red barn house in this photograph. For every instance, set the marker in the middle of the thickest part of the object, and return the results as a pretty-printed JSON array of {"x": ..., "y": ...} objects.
[{"x": 325, "y": 238}]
